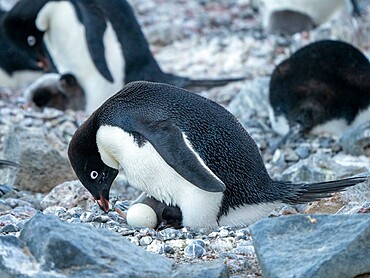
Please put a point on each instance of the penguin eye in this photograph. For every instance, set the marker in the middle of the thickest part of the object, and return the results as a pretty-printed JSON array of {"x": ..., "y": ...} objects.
[
  {"x": 31, "y": 40},
  {"x": 94, "y": 175}
]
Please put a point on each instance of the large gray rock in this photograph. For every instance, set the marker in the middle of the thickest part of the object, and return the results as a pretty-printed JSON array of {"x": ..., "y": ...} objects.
[
  {"x": 48, "y": 247},
  {"x": 83, "y": 251},
  {"x": 323, "y": 167},
  {"x": 357, "y": 141},
  {"x": 313, "y": 245},
  {"x": 68, "y": 195},
  {"x": 42, "y": 165},
  {"x": 14, "y": 258}
]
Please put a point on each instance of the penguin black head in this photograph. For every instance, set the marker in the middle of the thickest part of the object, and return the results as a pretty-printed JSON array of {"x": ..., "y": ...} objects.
[
  {"x": 324, "y": 87},
  {"x": 85, "y": 159},
  {"x": 20, "y": 28}
]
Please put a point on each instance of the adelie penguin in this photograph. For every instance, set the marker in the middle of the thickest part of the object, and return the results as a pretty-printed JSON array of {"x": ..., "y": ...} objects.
[
  {"x": 185, "y": 151},
  {"x": 324, "y": 87},
  {"x": 286, "y": 17},
  {"x": 98, "y": 41}
]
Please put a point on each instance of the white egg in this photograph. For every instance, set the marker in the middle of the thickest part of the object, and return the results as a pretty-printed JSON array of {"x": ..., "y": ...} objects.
[{"x": 139, "y": 215}]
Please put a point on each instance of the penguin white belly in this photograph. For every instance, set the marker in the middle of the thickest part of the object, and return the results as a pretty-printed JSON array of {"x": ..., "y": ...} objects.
[
  {"x": 146, "y": 170},
  {"x": 338, "y": 126},
  {"x": 65, "y": 39},
  {"x": 279, "y": 124},
  {"x": 319, "y": 11},
  {"x": 247, "y": 214}
]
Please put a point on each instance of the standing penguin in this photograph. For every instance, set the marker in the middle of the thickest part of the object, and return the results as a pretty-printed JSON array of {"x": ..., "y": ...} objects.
[
  {"x": 324, "y": 87},
  {"x": 186, "y": 151},
  {"x": 98, "y": 41}
]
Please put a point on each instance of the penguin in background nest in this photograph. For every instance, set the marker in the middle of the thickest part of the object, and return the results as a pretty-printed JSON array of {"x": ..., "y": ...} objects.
[
  {"x": 185, "y": 151},
  {"x": 57, "y": 91},
  {"x": 323, "y": 88},
  {"x": 98, "y": 41},
  {"x": 287, "y": 17}
]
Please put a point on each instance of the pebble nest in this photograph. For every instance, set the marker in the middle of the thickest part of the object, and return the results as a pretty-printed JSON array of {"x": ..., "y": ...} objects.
[{"x": 215, "y": 39}]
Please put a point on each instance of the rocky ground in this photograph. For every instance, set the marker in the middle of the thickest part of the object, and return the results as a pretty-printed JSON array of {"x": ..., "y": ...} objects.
[{"x": 200, "y": 39}]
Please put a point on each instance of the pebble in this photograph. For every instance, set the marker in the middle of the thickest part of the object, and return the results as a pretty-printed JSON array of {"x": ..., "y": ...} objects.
[
  {"x": 194, "y": 250},
  {"x": 146, "y": 240}
]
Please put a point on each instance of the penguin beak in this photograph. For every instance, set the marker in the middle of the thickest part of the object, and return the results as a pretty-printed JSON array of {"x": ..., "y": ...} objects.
[
  {"x": 103, "y": 203},
  {"x": 104, "y": 188}
]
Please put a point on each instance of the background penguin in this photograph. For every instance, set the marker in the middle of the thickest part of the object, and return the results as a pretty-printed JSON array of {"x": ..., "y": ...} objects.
[
  {"x": 16, "y": 66},
  {"x": 186, "y": 151},
  {"x": 98, "y": 41},
  {"x": 324, "y": 87},
  {"x": 56, "y": 91},
  {"x": 287, "y": 17}
]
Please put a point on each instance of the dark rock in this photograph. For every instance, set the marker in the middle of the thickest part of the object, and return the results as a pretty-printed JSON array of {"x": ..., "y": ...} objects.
[
  {"x": 302, "y": 151},
  {"x": 10, "y": 228},
  {"x": 313, "y": 245},
  {"x": 80, "y": 251}
]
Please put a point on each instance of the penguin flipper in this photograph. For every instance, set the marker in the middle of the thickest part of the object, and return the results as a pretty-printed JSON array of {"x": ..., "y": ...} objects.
[
  {"x": 95, "y": 27},
  {"x": 168, "y": 140}
]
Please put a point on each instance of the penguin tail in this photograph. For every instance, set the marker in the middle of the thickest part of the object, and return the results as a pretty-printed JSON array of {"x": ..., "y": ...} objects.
[
  {"x": 210, "y": 83},
  {"x": 305, "y": 193},
  {"x": 7, "y": 163}
]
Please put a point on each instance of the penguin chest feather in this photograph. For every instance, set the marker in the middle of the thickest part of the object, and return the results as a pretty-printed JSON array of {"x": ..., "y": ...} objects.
[
  {"x": 66, "y": 41},
  {"x": 146, "y": 170}
]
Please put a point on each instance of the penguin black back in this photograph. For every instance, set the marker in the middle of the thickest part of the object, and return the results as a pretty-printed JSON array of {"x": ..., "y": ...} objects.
[
  {"x": 323, "y": 81},
  {"x": 147, "y": 123}
]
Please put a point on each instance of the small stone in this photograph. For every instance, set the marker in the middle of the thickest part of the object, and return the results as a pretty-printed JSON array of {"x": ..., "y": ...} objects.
[
  {"x": 213, "y": 235},
  {"x": 302, "y": 152},
  {"x": 87, "y": 217},
  {"x": 101, "y": 218},
  {"x": 10, "y": 228},
  {"x": 134, "y": 240},
  {"x": 291, "y": 156},
  {"x": 224, "y": 233},
  {"x": 167, "y": 234},
  {"x": 194, "y": 251},
  {"x": 166, "y": 249},
  {"x": 146, "y": 240}
]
